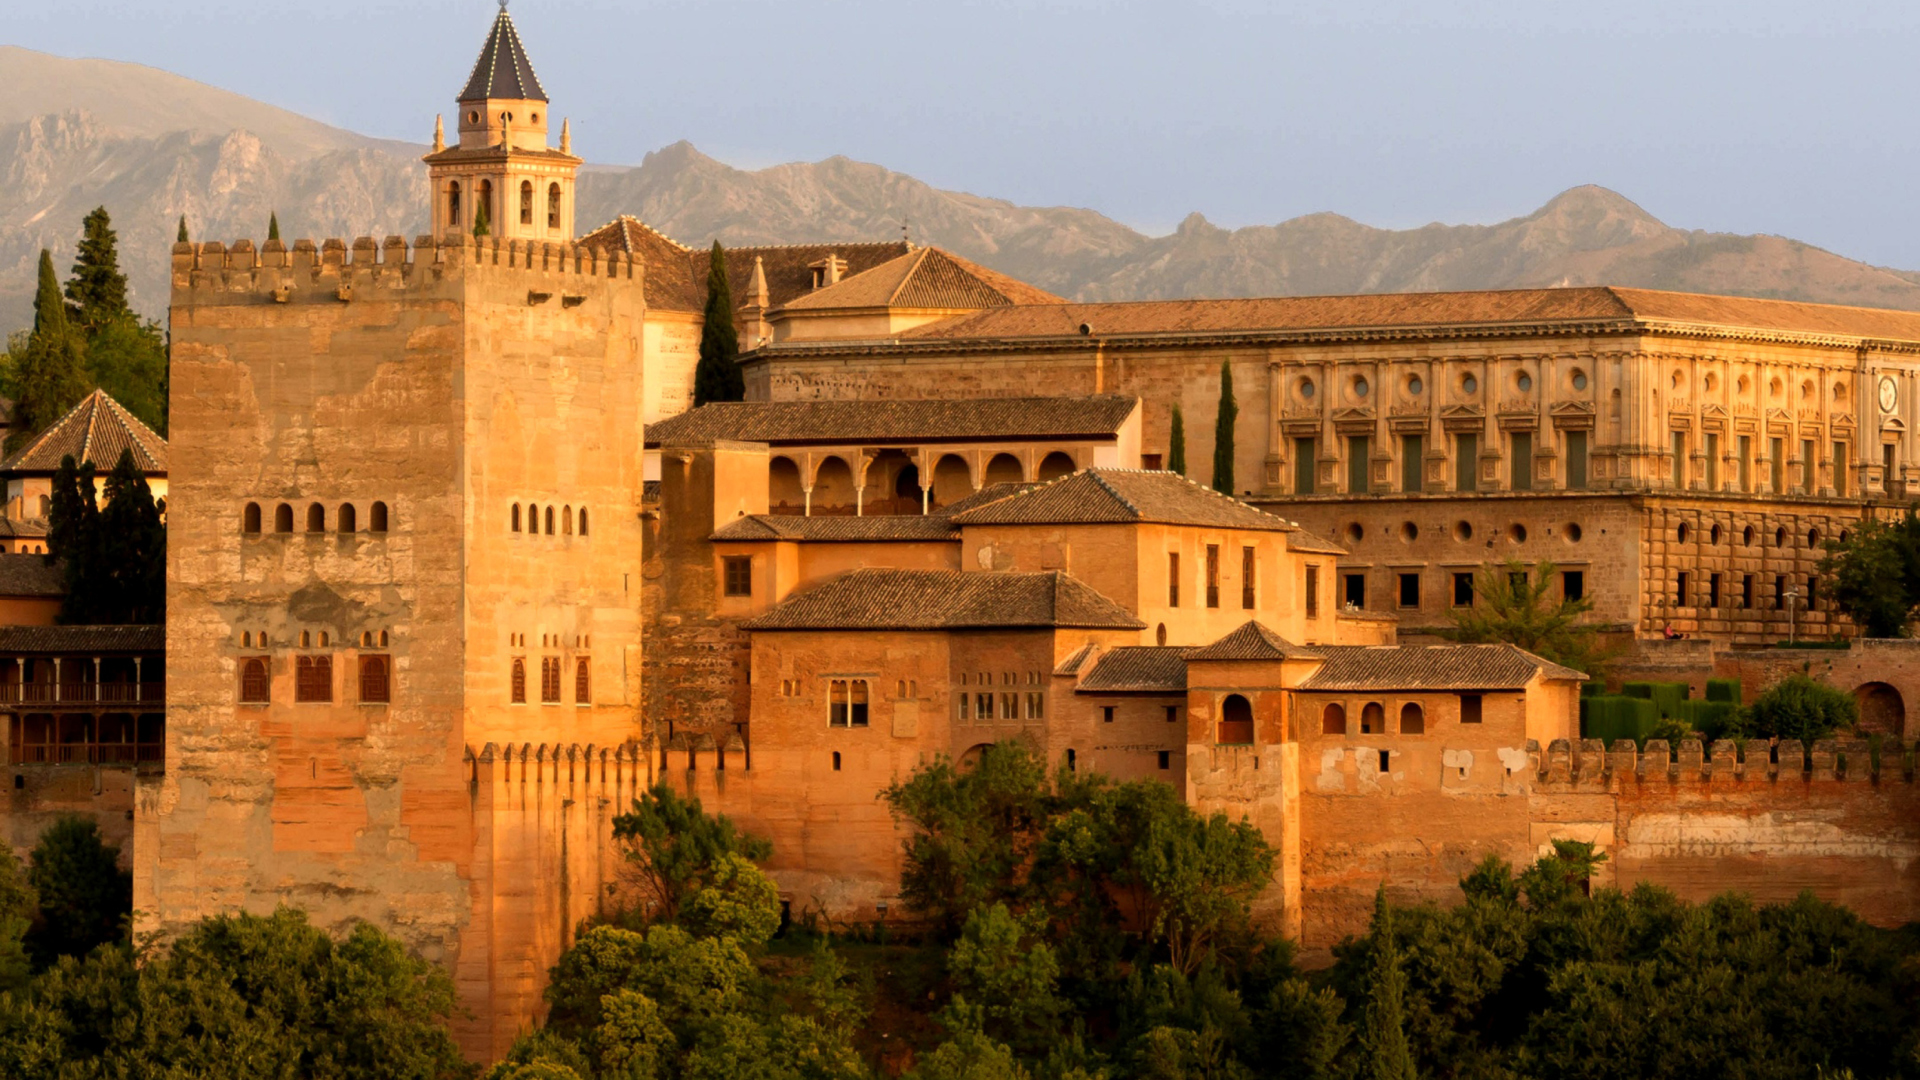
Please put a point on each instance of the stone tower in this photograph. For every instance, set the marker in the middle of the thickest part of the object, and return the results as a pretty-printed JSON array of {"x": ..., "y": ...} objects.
[{"x": 502, "y": 160}]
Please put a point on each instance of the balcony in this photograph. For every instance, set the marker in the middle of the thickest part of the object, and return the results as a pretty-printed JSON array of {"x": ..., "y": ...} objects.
[
  {"x": 83, "y": 739},
  {"x": 82, "y": 695}
]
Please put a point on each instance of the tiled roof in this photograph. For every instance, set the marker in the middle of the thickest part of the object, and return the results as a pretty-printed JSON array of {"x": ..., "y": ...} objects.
[
  {"x": 892, "y": 421},
  {"x": 1309, "y": 543},
  {"x": 82, "y": 640},
  {"x": 946, "y": 600},
  {"x": 667, "y": 265},
  {"x": 1390, "y": 310},
  {"x": 1430, "y": 667},
  {"x": 95, "y": 430},
  {"x": 503, "y": 70},
  {"x": 1095, "y": 496},
  {"x": 872, "y": 528},
  {"x": 922, "y": 279},
  {"x": 1134, "y": 669},
  {"x": 676, "y": 274},
  {"x": 1077, "y": 659},
  {"x": 987, "y": 494},
  {"x": 22, "y": 528},
  {"x": 31, "y": 575},
  {"x": 650, "y": 492},
  {"x": 1252, "y": 641}
]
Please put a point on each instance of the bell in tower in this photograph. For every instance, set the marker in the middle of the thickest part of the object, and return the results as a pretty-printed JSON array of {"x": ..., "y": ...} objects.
[{"x": 501, "y": 178}]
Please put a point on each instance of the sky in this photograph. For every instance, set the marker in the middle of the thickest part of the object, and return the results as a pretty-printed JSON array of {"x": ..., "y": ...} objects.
[{"x": 1752, "y": 116}]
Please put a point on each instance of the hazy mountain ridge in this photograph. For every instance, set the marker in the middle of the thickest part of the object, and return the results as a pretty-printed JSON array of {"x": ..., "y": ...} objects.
[{"x": 151, "y": 146}]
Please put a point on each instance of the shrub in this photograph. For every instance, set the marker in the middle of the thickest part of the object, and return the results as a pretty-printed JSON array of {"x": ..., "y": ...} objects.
[
  {"x": 1712, "y": 719},
  {"x": 85, "y": 897},
  {"x": 1799, "y": 707},
  {"x": 1612, "y": 717},
  {"x": 1723, "y": 690}
]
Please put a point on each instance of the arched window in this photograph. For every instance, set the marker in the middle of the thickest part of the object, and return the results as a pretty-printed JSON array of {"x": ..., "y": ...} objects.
[
  {"x": 526, "y": 202},
  {"x": 377, "y": 518},
  {"x": 250, "y": 518},
  {"x": 516, "y": 517},
  {"x": 484, "y": 203},
  {"x": 1373, "y": 719},
  {"x": 582, "y": 681},
  {"x": 313, "y": 678},
  {"x": 283, "y": 518},
  {"x": 566, "y": 520},
  {"x": 383, "y": 639},
  {"x": 255, "y": 688},
  {"x": 519, "y": 681},
  {"x": 453, "y": 203},
  {"x": 46, "y": 507},
  {"x": 549, "y": 521},
  {"x": 1236, "y": 721},
  {"x": 583, "y": 521},
  {"x": 316, "y": 518},
  {"x": 1333, "y": 719},
  {"x": 349, "y": 518},
  {"x": 375, "y": 687},
  {"x": 1004, "y": 469},
  {"x": 1413, "y": 719},
  {"x": 1056, "y": 465},
  {"x": 553, "y": 206}
]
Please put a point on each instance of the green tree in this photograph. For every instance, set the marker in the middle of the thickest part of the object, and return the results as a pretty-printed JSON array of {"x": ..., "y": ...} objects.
[
  {"x": 49, "y": 375},
  {"x": 1223, "y": 425},
  {"x": 1383, "y": 1032},
  {"x": 482, "y": 220},
  {"x": 1005, "y": 979},
  {"x": 1519, "y": 606},
  {"x": 19, "y": 906},
  {"x": 1799, "y": 707},
  {"x": 97, "y": 291},
  {"x": 717, "y": 377},
  {"x": 114, "y": 557},
  {"x": 128, "y": 359},
  {"x": 273, "y": 225},
  {"x": 674, "y": 848},
  {"x": 973, "y": 831},
  {"x": 1177, "y": 443},
  {"x": 181, "y": 236},
  {"x": 1874, "y": 575},
  {"x": 85, "y": 898},
  {"x": 738, "y": 902}
]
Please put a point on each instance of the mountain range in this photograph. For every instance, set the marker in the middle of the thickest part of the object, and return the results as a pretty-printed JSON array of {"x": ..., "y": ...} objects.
[{"x": 152, "y": 146}]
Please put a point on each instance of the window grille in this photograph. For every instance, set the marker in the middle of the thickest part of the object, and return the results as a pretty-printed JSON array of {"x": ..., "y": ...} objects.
[
  {"x": 313, "y": 679},
  {"x": 549, "y": 678},
  {"x": 375, "y": 686},
  {"x": 519, "y": 681},
  {"x": 582, "y": 681},
  {"x": 255, "y": 687}
]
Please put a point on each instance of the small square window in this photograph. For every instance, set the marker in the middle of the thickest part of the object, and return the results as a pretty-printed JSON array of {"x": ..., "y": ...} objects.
[
  {"x": 1463, "y": 590},
  {"x": 738, "y": 575},
  {"x": 1409, "y": 590},
  {"x": 1106, "y": 713},
  {"x": 1173, "y": 714},
  {"x": 1573, "y": 585},
  {"x": 1166, "y": 759},
  {"x": 1470, "y": 708}
]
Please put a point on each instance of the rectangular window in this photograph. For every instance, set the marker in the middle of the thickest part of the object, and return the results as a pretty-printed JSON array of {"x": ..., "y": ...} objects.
[
  {"x": 1009, "y": 706},
  {"x": 1246, "y": 578},
  {"x": 1166, "y": 759},
  {"x": 739, "y": 575},
  {"x": 1745, "y": 447},
  {"x": 1809, "y": 467},
  {"x": 582, "y": 681},
  {"x": 313, "y": 678},
  {"x": 963, "y": 706},
  {"x": 847, "y": 702},
  {"x": 1779, "y": 592},
  {"x": 1412, "y": 461},
  {"x": 1469, "y": 708},
  {"x": 1463, "y": 590},
  {"x": 1304, "y": 455},
  {"x": 375, "y": 687},
  {"x": 1106, "y": 714},
  {"x": 1409, "y": 590},
  {"x": 1355, "y": 590},
  {"x": 549, "y": 678},
  {"x": 1213, "y": 575},
  {"x": 1680, "y": 459},
  {"x": 1173, "y": 714},
  {"x": 1889, "y": 475},
  {"x": 1313, "y": 592},
  {"x": 1576, "y": 461},
  {"x": 1813, "y": 591},
  {"x": 1466, "y": 462},
  {"x": 983, "y": 706},
  {"x": 1680, "y": 589},
  {"x": 1713, "y": 590},
  {"x": 1357, "y": 464},
  {"x": 1152, "y": 462},
  {"x": 1713, "y": 462},
  {"x": 1746, "y": 590},
  {"x": 1573, "y": 584},
  {"x": 1520, "y": 461},
  {"x": 1840, "y": 469},
  {"x": 1777, "y": 463},
  {"x": 1173, "y": 579},
  {"x": 1036, "y": 706}
]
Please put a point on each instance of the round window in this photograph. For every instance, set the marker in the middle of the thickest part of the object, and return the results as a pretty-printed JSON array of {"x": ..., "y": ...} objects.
[
  {"x": 1470, "y": 385},
  {"x": 535, "y": 117},
  {"x": 1579, "y": 380},
  {"x": 1360, "y": 388},
  {"x": 1683, "y": 532},
  {"x": 1571, "y": 533},
  {"x": 1409, "y": 532},
  {"x": 1414, "y": 385},
  {"x": 1355, "y": 533},
  {"x": 1713, "y": 535},
  {"x": 1517, "y": 534},
  {"x": 1463, "y": 531},
  {"x": 1525, "y": 382},
  {"x": 1306, "y": 388},
  {"x": 1746, "y": 537},
  {"x": 473, "y": 117}
]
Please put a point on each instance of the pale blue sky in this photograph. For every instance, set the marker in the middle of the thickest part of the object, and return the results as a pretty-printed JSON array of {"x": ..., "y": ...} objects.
[{"x": 1754, "y": 116}]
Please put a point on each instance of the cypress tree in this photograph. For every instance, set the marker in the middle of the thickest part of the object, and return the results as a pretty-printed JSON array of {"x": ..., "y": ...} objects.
[
  {"x": 717, "y": 377},
  {"x": 49, "y": 375},
  {"x": 1177, "y": 443},
  {"x": 182, "y": 237},
  {"x": 273, "y": 225},
  {"x": 97, "y": 292},
  {"x": 131, "y": 552},
  {"x": 1223, "y": 433},
  {"x": 481, "y": 224},
  {"x": 1383, "y": 1030}
]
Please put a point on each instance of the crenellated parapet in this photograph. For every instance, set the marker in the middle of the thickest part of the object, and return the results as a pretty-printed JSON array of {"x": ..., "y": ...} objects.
[
  {"x": 336, "y": 271},
  {"x": 1589, "y": 764}
]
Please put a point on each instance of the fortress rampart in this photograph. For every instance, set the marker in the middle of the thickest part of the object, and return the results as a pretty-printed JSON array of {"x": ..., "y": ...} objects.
[{"x": 305, "y": 269}]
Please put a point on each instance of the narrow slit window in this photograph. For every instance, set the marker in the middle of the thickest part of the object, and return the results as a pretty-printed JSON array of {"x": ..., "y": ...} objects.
[
  {"x": 377, "y": 518},
  {"x": 1247, "y": 579},
  {"x": 519, "y": 691},
  {"x": 583, "y": 681}
]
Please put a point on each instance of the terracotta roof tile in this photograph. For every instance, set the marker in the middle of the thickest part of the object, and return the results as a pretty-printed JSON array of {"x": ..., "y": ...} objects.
[
  {"x": 1095, "y": 496},
  {"x": 82, "y": 639},
  {"x": 668, "y": 282},
  {"x": 1078, "y": 659},
  {"x": 987, "y": 494},
  {"x": 890, "y": 421},
  {"x": 873, "y": 528},
  {"x": 503, "y": 70},
  {"x": 95, "y": 430},
  {"x": 946, "y": 600},
  {"x": 31, "y": 575},
  {"x": 1252, "y": 641},
  {"x": 676, "y": 274},
  {"x": 1134, "y": 669},
  {"x": 22, "y": 528},
  {"x": 1430, "y": 667},
  {"x": 927, "y": 278}
]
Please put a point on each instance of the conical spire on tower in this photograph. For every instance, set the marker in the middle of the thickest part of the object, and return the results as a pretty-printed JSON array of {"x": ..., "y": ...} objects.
[{"x": 503, "y": 70}]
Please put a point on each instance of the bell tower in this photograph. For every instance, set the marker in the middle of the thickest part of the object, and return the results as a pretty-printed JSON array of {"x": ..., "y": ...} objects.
[{"x": 501, "y": 170}]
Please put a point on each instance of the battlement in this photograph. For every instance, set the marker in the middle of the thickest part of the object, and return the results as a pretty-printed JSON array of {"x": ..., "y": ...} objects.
[
  {"x": 1591, "y": 764},
  {"x": 335, "y": 270}
]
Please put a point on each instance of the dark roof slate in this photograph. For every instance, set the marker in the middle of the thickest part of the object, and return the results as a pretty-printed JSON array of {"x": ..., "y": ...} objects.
[
  {"x": 82, "y": 639},
  {"x": 946, "y": 600},
  {"x": 503, "y": 70},
  {"x": 989, "y": 493},
  {"x": 95, "y": 430},
  {"x": 891, "y": 421},
  {"x": 874, "y": 528},
  {"x": 1135, "y": 669},
  {"x": 1430, "y": 667},
  {"x": 1253, "y": 641},
  {"x": 1122, "y": 496},
  {"x": 31, "y": 575}
]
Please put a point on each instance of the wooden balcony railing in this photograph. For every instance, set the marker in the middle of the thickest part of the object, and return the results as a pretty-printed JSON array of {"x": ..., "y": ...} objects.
[
  {"x": 83, "y": 694},
  {"x": 90, "y": 753}
]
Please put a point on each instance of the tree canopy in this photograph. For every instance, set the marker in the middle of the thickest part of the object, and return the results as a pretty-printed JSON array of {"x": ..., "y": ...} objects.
[
  {"x": 1177, "y": 443},
  {"x": 1874, "y": 575},
  {"x": 46, "y": 373},
  {"x": 114, "y": 556},
  {"x": 1223, "y": 425},
  {"x": 1527, "y": 607}
]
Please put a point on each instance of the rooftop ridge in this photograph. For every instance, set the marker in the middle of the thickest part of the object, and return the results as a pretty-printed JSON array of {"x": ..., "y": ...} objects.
[
  {"x": 1108, "y": 488},
  {"x": 624, "y": 218},
  {"x": 917, "y": 259},
  {"x": 392, "y": 263},
  {"x": 503, "y": 35}
]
